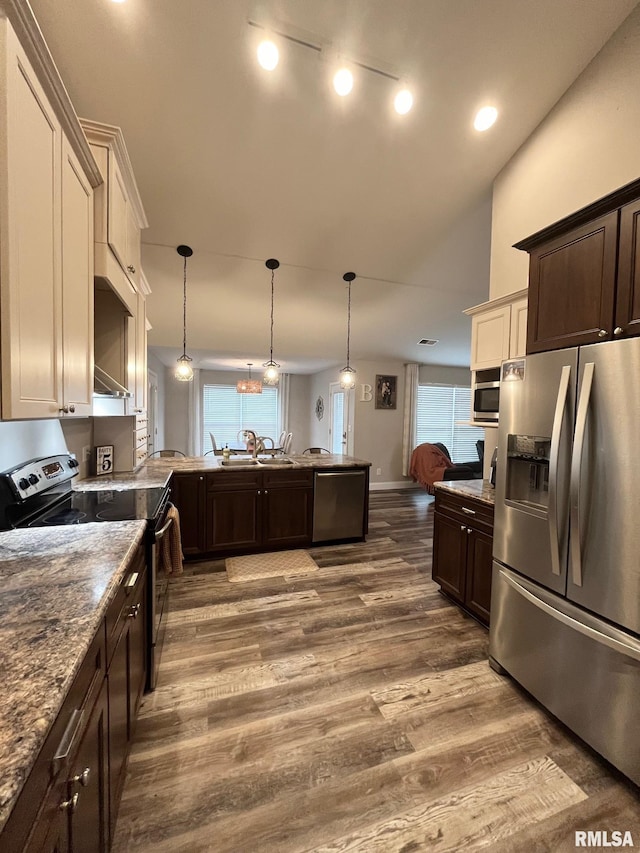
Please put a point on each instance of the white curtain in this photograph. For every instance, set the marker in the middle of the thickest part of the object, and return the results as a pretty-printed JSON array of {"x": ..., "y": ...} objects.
[
  {"x": 411, "y": 372},
  {"x": 284, "y": 385},
  {"x": 194, "y": 444}
]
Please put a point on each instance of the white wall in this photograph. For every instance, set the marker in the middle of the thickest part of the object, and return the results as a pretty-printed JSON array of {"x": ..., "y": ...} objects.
[
  {"x": 78, "y": 433},
  {"x": 585, "y": 148}
]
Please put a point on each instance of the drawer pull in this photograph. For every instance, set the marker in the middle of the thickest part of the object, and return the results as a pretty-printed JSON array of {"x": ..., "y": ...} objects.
[
  {"x": 468, "y": 511},
  {"x": 82, "y": 778},
  {"x": 132, "y": 580},
  {"x": 65, "y": 747},
  {"x": 462, "y": 527},
  {"x": 71, "y": 804}
]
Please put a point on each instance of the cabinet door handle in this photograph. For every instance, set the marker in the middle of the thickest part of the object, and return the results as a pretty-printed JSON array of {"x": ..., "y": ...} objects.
[
  {"x": 259, "y": 491},
  {"x": 468, "y": 530},
  {"x": 134, "y": 610},
  {"x": 618, "y": 331},
  {"x": 131, "y": 268},
  {"x": 603, "y": 333},
  {"x": 462, "y": 527},
  {"x": 266, "y": 491},
  {"x": 66, "y": 744},
  {"x": 132, "y": 580},
  {"x": 82, "y": 778},
  {"x": 71, "y": 804},
  {"x": 64, "y": 410},
  {"x": 468, "y": 511}
]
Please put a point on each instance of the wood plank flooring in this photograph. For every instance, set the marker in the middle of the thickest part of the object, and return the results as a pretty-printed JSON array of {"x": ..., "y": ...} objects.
[{"x": 351, "y": 709}]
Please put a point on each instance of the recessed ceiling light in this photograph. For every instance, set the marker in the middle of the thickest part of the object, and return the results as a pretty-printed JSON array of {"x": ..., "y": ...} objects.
[
  {"x": 343, "y": 82},
  {"x": 268, "y": 55},
  {"x": 403, "y": 102},
  {"x": 427, "y": 342},
  {"x": 485, "y": 118}
]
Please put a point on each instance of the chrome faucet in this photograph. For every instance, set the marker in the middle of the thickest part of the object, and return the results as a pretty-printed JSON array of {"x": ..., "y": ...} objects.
[{"x": 250, "y": 433}]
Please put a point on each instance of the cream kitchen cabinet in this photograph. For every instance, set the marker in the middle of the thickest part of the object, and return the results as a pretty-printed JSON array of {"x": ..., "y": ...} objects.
[
  {"x": 46, "y": 219},
  {"x": 119, "y": 214},
  {"x": 498, "y": 330}
]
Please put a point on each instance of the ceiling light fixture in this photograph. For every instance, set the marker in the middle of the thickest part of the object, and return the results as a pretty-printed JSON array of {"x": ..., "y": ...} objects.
[
  {"x": 249, "y": 386},
  {"x": 403, "y": 102},
  {"x": 485, "y": 118},
  {"x": 184, "y": 371},
  {"x": 271, "y": 373},
  {"x": 268, "y": 55},
  {"x": 347, "y": 374},
  {"x": 343, "y": 82}
]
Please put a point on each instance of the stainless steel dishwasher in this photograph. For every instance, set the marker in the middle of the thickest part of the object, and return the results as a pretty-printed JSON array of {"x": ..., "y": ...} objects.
[{"x": 338, "y": 505}]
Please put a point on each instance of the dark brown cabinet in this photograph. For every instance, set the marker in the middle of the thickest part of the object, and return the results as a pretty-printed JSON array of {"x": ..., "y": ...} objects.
[
  {"x": 251, "y": 510},
  {"x": 126, "y": 676},
  {"x": 462, "y": 546},
  {"x": 584, "y": 275},
  {"x": 188, "y": 493},
  {"x": 69, "y": 801}
]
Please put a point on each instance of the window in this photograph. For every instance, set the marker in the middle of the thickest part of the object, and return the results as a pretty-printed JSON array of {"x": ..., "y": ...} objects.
[
  {"x": 440, "y": 408},
  {"x": 225, "y": 413}
]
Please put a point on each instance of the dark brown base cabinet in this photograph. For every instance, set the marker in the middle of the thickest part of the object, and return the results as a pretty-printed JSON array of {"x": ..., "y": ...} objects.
[
  {"x": 229, "y": 512},
  {"x": 462, "y": 551},
  {"x": 249, "y": 511},
  {"x": 70, "y": 799}
]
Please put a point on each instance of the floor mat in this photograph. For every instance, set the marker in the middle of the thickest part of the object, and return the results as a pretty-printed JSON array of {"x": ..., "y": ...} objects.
[{"x": 276, "y": 564}]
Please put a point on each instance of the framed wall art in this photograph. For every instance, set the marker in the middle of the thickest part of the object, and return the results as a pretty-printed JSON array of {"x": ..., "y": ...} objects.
[{"x": 386, "y": 392}]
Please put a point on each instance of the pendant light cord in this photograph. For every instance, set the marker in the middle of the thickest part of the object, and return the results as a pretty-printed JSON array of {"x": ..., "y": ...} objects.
[
  {"x": 184, "y": 318},
  {"x": 271, "y": 347},
  {"x": 348, "y": 324}
]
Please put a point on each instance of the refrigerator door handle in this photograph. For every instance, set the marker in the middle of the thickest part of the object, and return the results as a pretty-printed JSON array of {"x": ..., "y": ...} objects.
[
  {"x": 558, "y": 420},
  {"x": 576, "y": 465},
  {"x": 610, "y": 637}
]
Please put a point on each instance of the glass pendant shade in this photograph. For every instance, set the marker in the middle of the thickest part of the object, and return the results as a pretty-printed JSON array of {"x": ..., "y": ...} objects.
[
  {"x": 347, "y": 374},
  {"x": 271, "y": 375},
  {"x": 184, "y": 371},
  {"x": 347, "y": 378}
]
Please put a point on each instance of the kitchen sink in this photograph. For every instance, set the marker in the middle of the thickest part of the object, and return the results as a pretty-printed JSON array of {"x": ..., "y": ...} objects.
[
  {"x": 239, "y": 462},
  {"x": 277, "y": 460}
]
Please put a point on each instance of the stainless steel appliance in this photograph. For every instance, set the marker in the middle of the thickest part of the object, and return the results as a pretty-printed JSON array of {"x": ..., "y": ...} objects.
[
  {"x": 565, "y": 607},
  {"x": 36, "y": 492},
  {"x": 338, "y": 501},
  {"x": 486, "y": 401}
]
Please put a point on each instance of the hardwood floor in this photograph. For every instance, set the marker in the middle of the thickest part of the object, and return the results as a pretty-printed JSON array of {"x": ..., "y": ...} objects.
[{"x": 352, "y": 709}]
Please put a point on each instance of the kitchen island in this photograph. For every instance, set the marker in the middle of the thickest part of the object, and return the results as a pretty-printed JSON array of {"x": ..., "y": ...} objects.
[
  {"x": 252, "y": 505},
  {"x": 57, "y": 586}
]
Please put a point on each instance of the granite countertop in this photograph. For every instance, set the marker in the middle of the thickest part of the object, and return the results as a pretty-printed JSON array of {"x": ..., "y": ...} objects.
[
  {"x": 56, "y": 584},
  {"x": 481, "y": 490},
  {"x": 156, "y": 472}
]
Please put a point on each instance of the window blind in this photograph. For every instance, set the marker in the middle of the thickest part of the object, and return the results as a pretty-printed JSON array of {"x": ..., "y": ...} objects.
[
  {"x": 225, "y": 413},
  {"x": 439, "y": 408}
]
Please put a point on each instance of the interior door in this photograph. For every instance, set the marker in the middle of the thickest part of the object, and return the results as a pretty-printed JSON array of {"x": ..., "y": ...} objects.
[{"x": 338, "y": 423}]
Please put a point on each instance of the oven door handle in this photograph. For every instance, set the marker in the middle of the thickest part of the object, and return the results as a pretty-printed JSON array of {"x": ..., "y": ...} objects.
[{"x": 160, "y": 533}]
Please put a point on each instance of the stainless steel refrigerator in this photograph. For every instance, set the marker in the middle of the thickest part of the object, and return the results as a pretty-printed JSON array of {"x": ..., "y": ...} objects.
[{"x": 565, "y": 607}]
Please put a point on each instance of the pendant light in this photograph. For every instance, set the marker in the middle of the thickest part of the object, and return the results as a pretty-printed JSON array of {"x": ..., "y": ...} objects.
[
  {"x": 184, "y": 371},
  {"x": 271, "y": 373},
  {"x": 249, "y": 386},
  {"x": 347, "y": 374}
]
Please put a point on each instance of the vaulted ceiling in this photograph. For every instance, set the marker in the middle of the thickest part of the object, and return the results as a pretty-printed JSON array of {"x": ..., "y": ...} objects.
[{"x": 244, "y": 164}]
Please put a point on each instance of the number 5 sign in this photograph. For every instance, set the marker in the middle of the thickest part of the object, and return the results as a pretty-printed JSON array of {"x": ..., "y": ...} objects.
[{"x": 104, "y": 459}]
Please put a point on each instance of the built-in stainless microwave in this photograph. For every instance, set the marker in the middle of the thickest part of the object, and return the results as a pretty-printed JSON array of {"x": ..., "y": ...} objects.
[{"x": 486, "y": 398}]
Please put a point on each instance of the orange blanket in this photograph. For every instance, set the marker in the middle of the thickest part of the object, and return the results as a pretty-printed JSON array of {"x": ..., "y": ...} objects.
[{"x": 428, "y": 464}]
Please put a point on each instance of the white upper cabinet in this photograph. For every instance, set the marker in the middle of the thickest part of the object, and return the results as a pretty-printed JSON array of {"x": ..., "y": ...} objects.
[
  {"x": 119, "y": 214},
  {"x": 498, "y": 330},
  {"x": 46, "y": 219}
]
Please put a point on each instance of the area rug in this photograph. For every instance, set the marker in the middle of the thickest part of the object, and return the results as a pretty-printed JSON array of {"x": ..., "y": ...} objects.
[{"x": 276, "y": 564}]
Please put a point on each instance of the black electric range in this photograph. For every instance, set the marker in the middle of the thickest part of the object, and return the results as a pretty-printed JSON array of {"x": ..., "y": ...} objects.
[{"x": 103, "y": 505}]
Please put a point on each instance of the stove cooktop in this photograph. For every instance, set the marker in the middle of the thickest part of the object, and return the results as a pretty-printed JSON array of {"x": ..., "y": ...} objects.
[{"x": 85, "y": 507}]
